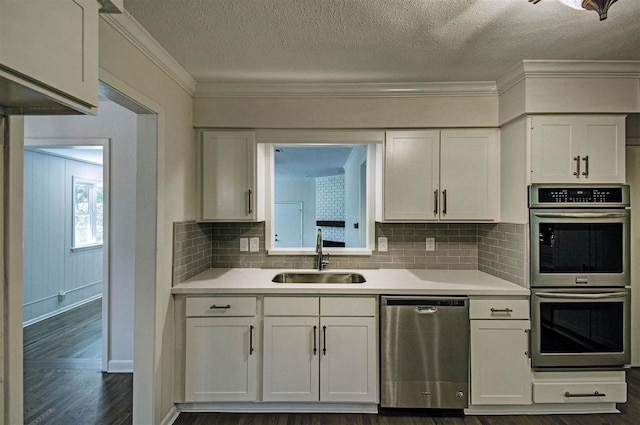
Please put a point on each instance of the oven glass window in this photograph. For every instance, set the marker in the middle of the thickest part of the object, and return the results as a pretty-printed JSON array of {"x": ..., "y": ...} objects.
[
  {"x": 589, "y": 327},
  {"x": 581, "y": 247}
]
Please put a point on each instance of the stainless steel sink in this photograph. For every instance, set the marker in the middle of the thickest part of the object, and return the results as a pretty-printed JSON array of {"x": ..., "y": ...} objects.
[{"x": 327, "y": 277}]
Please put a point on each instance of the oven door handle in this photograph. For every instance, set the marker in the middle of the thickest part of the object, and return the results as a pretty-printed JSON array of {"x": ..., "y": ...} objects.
[
  {"x": 581, "y": 296},
  {"x": 579, "y": 215}
]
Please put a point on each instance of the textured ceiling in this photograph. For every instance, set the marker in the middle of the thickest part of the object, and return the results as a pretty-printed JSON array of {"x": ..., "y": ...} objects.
[{"x": 380, "y": 40}]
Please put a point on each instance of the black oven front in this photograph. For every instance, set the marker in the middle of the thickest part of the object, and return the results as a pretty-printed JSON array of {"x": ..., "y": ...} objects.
[{"x": 580, "y": 327}]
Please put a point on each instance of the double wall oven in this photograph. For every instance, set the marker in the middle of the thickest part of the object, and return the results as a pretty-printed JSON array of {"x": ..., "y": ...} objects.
[{"x": 580, "y": 297}]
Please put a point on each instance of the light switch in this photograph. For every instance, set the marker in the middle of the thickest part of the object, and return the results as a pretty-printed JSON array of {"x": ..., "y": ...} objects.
[
  {"x": 254, "y": 244},
  {"x": 383, "y": 244},
  {"x": 244, "y": 244},
  {"x": 431, "y": 244}
]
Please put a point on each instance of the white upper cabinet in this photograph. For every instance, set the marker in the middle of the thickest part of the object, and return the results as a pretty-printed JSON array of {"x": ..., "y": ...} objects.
[
  {"x": 577, "y": 149},
  {"x": 227, "y": 167},
  {"x": 49, "y": 54},
  {"x": 449, "y": 175}
]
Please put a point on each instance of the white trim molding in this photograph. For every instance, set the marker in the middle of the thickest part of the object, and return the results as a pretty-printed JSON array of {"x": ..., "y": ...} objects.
[
  {"x": 120, "y": 366},
  {"x": 350, "y": 90},
  {"x": 171, "y": 417},
  {"x": 135, "y": 33},
  {"x": 567, "y": 69}
]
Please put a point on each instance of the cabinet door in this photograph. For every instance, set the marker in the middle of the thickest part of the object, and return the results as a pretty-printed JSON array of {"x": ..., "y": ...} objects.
[
  {"x": 54, "y": 43},
  {"x": 469, "y": 175},
  {"x": 290, "y": 363},
  {"x": 221, "y": 359},
  {"x": 411, "y": 174},
  {"x": 227, "y": 166},
  {"x": 500, "y": 366},
  {"x": 348, "y": 361},
  {"x": 602, "y": 150},
  {"x": 577, "y": 149}
]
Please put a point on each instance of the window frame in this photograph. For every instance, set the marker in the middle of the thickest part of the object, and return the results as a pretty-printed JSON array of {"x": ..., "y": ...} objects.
[{"x": 94, "y": 184}]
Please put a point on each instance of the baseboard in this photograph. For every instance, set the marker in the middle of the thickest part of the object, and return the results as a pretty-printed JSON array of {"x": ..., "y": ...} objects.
[
  {"x": 269, "y": 407},
  {"x": 120, "y": 366},
  {"x": 60, "y": 311},
  {"x": 171, "y": 416}
]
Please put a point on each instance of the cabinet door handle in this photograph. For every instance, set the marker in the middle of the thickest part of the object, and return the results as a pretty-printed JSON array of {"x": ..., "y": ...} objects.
[
  {"x": 435, "y": 202},
  {"x": 586, "y": 165},
  {"x": 444, "y": 201},
  {"x": 528, "y": 352},
  {"x": 577, "y": 160},
  {"x": 249, "y": 193},
  {"x": 324, "y": 342},
  {"x": 315, "y": 347},
  {"x": 251, "y": 340},
  {"x": 593, "y": 394},
  {"x": 223, "y": 307}
]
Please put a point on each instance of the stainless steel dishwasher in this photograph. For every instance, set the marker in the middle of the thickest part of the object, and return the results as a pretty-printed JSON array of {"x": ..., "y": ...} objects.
[{"x": 424, "y": 344}]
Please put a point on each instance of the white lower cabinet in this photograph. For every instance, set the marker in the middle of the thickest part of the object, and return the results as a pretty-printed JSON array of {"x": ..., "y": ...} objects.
[
  {"x": 221, "y": 358},
  {"x": 313, "y": 358},
  {"x": 579, "y": 387},
  {"x": 500, "y": 364}
]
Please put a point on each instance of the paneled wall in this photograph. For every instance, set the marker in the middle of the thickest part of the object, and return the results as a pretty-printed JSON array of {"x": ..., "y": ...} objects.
[{"x": 50, "y": 266}]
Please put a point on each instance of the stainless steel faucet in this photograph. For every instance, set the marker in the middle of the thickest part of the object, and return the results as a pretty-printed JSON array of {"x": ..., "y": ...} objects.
[{"x": 320, "y": 261}]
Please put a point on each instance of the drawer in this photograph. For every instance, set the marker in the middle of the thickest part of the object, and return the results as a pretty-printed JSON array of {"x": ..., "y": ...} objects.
[
  {"x": 579, "y": 392},
  {"x": 498, "y": 308},
  {"x": 348, "y": 306},
  {"x": 291, "y": 306},
  {"x": 221, "y": 306}
]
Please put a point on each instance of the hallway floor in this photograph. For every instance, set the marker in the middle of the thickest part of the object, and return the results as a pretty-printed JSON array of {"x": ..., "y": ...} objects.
[{"x": 63, "y": 384}]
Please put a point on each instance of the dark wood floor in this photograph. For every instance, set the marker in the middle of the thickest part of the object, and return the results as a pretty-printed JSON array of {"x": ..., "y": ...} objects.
[
  {"x": 630, "y": 416},
  {"x": 63, "y": 384}
]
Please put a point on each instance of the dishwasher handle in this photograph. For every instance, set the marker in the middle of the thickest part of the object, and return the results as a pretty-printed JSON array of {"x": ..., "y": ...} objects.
[{"x": 426, "y": 310}]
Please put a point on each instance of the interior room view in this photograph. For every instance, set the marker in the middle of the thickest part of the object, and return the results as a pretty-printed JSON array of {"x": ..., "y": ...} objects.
[{"x": 320, "y": 211}]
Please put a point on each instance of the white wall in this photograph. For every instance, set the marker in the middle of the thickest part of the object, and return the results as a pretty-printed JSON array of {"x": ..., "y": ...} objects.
[
  {"x": 352, "y": 188},
  {"x": 50, "y": 265},
  {"x": 119, "y": 125},
  {"x": 633, "y": 179},
  {"x": 300, "y": 190}
]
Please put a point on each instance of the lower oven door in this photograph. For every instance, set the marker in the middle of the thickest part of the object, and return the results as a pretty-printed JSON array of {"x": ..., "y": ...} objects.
[{"x": 580, "y": 327}]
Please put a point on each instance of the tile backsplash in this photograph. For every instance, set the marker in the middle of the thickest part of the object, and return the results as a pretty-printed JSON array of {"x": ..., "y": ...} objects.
[{"x": 497, "y": 249}]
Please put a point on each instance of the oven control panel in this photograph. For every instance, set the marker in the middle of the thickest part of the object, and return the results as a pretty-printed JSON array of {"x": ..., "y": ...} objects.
[{"x": 576, "y": 196}]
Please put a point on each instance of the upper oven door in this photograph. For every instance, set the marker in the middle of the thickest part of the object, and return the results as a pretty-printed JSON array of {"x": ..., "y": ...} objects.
[{"x": 579, "y": 247}]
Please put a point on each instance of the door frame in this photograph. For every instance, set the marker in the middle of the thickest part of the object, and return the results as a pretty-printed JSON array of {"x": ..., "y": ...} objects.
[
  {"x": 150, "y": 159},
  {"x": 106, "y": 251}
]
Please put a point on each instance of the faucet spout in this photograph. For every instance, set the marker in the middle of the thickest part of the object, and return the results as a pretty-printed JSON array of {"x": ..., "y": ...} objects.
[{"x": 320, "y": 261}]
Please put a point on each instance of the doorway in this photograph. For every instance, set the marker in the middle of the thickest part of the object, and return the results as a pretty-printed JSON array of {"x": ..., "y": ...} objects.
[{"x": 288, "y": 224}]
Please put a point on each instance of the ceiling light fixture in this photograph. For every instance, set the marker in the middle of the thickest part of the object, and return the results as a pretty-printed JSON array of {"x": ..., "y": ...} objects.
[{"x": 600, "y": 6}]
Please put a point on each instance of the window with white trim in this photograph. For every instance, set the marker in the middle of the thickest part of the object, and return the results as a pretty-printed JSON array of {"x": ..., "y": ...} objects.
[{"x": 88, "y": 213}]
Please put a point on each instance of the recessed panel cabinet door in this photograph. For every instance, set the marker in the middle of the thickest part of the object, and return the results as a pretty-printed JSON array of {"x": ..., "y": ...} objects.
[
  {"x": 500, "y": 366},
  {"x": 577, "y": 149},
  {"x": 469, "y": 175},
  {"x": 221, "y": 359},
  {"x": 228, "y": 176},
  {"x": 291, "y": 359},
  {"x": 348, "y": 367},
  {"x": 411, "y": 175},
  {"x": 54, "y": 43}
]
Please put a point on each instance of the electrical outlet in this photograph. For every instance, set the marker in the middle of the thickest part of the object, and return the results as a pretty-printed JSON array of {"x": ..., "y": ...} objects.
[
  {"x": 431, "y": 244},
  {"x": 254, "y": 244},
  {"x": 383, "y": 245},
  {"x": 244, "y": 244}
]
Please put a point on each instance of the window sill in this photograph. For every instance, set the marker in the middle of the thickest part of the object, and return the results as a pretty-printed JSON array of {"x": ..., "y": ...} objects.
[{"x": 86, "y": 247}]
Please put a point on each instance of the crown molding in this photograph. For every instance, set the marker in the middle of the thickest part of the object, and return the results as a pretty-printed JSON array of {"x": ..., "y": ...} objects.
[
  {"x": 567, "y": 69},
  {"x": 347, "y": 90},
  {"x": 135, "y": 33}
]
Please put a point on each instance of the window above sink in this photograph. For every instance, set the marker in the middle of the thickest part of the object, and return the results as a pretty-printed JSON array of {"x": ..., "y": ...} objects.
[{"x": 324, "y": 180}]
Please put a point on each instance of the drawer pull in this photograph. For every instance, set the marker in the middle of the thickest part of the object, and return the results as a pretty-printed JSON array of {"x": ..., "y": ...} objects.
[
  {"x": 501, "y": 310},
  {"x": 593, "y": 394},
  {"x": 224, "y": 307},
  {"x": 251, "y": 349}
]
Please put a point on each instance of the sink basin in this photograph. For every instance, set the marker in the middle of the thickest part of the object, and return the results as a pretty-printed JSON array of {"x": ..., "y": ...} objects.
[{"x": 329, "y": 277}]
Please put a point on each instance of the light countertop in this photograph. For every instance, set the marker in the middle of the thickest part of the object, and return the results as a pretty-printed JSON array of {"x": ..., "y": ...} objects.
[{"x": 383, "y": 281}]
